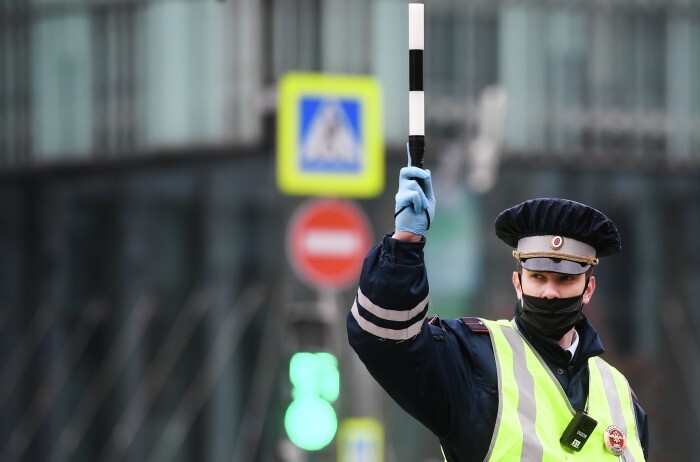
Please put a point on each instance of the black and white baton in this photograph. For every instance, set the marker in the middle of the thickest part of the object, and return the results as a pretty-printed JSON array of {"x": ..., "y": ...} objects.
[{"x": 416, "y": 102}]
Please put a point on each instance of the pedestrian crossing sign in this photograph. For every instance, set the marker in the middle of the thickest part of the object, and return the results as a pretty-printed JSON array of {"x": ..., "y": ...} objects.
[
  {"x": 329, "y": 136},
  {"x": 360, "y": 439}
]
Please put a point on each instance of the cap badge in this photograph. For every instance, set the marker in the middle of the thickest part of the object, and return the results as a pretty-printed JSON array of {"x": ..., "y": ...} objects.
[
  {"x": 614, "y": 439},
  {"x": 556, "y": 243}
]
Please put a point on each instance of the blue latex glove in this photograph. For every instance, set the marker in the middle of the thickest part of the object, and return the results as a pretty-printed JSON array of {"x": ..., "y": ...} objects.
[{"x": 415, "y": 208}]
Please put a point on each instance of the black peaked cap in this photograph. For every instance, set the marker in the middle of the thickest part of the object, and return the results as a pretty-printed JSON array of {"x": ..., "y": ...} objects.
[{"x": 560, "y": 217}]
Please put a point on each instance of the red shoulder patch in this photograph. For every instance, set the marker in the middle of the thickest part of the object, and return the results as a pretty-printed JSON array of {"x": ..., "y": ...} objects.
[
  {"x": 475, "y": 325},
  {"x": 634, "y": 397}
]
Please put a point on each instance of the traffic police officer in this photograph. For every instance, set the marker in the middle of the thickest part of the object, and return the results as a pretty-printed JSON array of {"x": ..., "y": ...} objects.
[{"x": 532, "y": 388}]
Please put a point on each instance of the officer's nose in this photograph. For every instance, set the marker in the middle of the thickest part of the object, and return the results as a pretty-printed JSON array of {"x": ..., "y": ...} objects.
[{"x": 550, "y": 292}]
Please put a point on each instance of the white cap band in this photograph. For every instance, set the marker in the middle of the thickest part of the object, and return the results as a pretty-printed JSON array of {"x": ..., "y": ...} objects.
[{"x": 555, "y": 244}]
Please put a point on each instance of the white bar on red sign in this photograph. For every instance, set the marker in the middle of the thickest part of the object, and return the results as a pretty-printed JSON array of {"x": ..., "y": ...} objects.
[{"x": 331, "y": 242}]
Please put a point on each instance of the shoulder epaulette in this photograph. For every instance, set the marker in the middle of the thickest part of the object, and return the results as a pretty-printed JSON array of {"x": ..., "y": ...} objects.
[
  {"x": 436, "y": 321},
  {"x": 475, "y": 325},
  {"x": 634, "y": 397}
]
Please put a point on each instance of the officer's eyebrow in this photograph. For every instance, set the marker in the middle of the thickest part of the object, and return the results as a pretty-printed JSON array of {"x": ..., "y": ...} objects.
[
  {"x": 568, "y": 276},
  {"x": 553, "y": 274},
  {"x": 531, "y": 273}
]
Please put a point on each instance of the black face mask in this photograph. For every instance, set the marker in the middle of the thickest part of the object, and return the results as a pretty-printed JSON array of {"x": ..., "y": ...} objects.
[{"x": 552, "y": 317}]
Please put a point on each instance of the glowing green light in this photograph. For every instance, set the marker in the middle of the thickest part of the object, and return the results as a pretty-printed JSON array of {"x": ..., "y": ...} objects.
[
  {"x": 310, "y": 423},
  {"x": 315, "y": 374}
]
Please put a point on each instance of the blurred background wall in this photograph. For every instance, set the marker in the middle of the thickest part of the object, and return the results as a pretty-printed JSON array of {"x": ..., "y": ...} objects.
[{"x": 146, "y": 300}]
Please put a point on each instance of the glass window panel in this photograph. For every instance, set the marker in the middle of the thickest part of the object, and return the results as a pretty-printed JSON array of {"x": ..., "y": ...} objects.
[
  {"x": 566, "y": 61},
  {"x": 683, "y": 75},
  {"x": 523, "y": 60},
  {"x": 390, "y": 65},
  {"x": 296, "y": 35},
  {"x": 627, "y": 81},
  {"x": 345, "y": 36},
  {"x": 179, "y": 69},
  {"x": 61, "y": 86}
]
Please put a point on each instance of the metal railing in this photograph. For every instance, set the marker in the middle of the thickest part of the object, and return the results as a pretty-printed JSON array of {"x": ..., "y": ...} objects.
[{"x": 92, "y": 420}]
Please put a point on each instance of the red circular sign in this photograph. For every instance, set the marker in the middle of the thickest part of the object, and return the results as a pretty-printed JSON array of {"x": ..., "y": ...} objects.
[{"x": 327, "y": 241}]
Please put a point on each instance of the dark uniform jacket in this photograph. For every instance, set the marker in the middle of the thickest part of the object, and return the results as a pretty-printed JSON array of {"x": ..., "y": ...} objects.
[{"x": 445, "y": 376}]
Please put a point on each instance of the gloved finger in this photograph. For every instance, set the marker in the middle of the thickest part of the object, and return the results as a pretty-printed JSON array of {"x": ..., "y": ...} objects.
[
  {"x": 428, "y": 184},
  {"x": 414, "y": 172},
  {"x": 411, "y": 198},
  {"x": 408, "y": 196},
  {"x": 403, "y": 199},
  {"x": 417, "y": 202},
  {"x": 420, "y": 202},
  {"x": 414, "y": 186}
]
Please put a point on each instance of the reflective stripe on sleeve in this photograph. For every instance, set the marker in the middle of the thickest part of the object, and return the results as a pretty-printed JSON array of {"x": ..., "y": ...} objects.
[
  {"x": 383, "y": 332},
  {"x": 390, "y": 315}
]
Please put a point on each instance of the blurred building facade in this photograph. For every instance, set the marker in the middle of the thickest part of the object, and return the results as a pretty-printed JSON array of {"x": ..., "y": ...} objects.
[{"x": 144, "y": 277}]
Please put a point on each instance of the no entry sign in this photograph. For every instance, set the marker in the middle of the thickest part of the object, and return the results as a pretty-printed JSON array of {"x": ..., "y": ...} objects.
[{"x": 327, "y": 240}]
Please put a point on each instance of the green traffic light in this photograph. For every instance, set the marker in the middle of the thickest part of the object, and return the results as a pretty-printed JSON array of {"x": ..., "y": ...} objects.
[
  {"x": 310, "y": 422},
  {"x": 315, "y": 374}
]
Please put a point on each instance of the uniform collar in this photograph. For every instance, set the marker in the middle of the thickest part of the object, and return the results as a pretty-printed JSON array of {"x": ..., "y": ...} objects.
[{"x": 574, "y": 345}]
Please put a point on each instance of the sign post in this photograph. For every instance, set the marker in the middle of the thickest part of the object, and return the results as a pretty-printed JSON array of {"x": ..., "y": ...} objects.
[{"x": 326, "y": 243}]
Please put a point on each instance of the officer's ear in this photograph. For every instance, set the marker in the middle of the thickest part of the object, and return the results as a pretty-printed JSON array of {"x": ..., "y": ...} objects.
[
  {"x": 517, "y": 285},
  {"x": 590, "y": 288}
]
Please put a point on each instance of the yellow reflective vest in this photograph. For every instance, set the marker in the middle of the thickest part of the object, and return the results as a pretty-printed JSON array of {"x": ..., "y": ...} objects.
[{"x": 534, "y": 411}]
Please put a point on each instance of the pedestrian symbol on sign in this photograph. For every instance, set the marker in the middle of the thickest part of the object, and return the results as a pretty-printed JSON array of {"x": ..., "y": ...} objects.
[
  {"x": 361, "y": 439},
  {"x": 330, "y": 135}
]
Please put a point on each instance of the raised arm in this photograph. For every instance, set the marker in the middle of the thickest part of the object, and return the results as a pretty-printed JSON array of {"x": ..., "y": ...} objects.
[{"x": 386, "y": 325}]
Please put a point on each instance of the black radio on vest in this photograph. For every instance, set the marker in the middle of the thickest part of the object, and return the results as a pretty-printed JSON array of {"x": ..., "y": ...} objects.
[{"x": 578, "y": 431}]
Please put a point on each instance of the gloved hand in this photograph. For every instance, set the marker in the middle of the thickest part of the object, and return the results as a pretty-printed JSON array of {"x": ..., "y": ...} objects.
[{"x": 415, "y": 208}]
